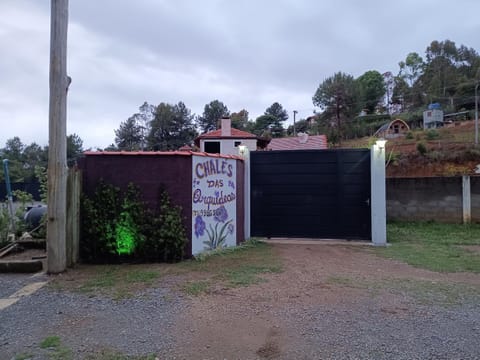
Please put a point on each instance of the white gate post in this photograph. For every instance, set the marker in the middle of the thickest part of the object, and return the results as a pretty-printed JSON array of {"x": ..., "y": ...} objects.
[
  {"x": 378, "y": 194},
  {"x": 466, "y": 200},
  {"x": 245, "y": 153}
]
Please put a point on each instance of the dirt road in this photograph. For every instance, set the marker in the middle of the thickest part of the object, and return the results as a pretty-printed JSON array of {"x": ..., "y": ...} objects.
[{"x": 329, "y": 302}]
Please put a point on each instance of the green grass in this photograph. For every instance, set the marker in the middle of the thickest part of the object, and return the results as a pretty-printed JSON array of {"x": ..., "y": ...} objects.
[
  {"x": 50, "y": 342},
  {"x": 52, "y": 348},
  {"x": 23, "y": 356},
  {"x": 432, "y": 246},
  {"x": 118, "y": 280},
  {"x": 55, "y": 349},
  {"x": 232, "y": 267},
  {"x": 195, "y": 288}
]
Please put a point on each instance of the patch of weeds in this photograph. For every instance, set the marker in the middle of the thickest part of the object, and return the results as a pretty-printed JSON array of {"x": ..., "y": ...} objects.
[
  {"x": 56, "y": 351},
  {"x": 23, "y": 356},
  {"x": 249, "y": 274},
  {"x": 235, "y": 266},
  {"x": 195, "y": 288},
  {"x": 50, "y": 342},
  {"x": 141, "y": 276},
  {"x": 114, "y": 355},
  {"x": 432, "y": 246},
  {"x": 118, "y": 281}
]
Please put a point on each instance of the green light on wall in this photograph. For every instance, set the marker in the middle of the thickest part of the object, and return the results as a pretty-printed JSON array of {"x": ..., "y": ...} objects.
[{"x": 125, "y": 235}]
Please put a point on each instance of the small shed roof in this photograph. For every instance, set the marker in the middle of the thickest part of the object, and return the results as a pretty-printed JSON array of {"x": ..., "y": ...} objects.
[{"x": 387, "y": 126}]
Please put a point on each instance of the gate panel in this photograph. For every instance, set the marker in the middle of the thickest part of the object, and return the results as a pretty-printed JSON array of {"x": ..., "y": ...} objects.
[{"x": 311, "y": 193}]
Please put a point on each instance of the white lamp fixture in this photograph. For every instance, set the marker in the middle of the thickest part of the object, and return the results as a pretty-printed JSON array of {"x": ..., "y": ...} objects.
[
  {"x": 242, "y": 149},
  {"x": 381, "y": 143}
]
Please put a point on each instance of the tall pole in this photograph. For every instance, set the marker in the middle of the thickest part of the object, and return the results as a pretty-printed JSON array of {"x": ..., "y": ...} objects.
[
  {"x": 476, "y": 115},
  {"x": 294, "y": 115},
  {"x": 57, "y": 150}
]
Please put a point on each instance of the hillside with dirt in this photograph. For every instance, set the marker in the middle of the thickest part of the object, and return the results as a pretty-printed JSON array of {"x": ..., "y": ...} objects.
[{"x": 447, "y": 151}]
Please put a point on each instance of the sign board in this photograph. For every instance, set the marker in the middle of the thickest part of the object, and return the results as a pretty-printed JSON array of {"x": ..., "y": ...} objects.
[{"x": 214, "y": 203}]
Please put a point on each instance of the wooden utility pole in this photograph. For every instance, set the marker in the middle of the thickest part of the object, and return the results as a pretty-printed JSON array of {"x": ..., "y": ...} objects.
[{"x": 57, "y": 150}]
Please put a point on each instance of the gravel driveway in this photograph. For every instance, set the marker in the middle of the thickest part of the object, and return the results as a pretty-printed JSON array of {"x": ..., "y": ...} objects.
[{"x": 330, "y": 302}]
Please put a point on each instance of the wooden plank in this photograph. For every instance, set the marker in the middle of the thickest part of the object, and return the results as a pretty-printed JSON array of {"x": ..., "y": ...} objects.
[{"x": 73, "y": 216}]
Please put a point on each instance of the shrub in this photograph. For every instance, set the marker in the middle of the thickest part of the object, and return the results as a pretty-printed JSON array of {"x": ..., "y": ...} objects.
[
  {"x": 119, "y": 226},
  {"x": 432, "y": 134},
  {"x": 421, "y": 148},
  {"x": 409, "y": 135}
]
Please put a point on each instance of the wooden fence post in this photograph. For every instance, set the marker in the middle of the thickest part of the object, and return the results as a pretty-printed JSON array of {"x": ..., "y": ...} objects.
[{"x": 74, "y": 189}]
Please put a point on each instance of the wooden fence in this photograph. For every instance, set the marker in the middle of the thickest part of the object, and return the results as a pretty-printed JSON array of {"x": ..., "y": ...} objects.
[{"x": 74, "y": 189}]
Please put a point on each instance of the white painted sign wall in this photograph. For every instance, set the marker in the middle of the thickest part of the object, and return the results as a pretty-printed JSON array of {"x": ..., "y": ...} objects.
[{"x": 214, "y": 203}]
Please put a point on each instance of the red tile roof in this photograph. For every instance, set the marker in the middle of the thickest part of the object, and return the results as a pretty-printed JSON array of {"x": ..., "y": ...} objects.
[
  {"x": 161, "y": 153},
  {"x": 310, "y": 142}
]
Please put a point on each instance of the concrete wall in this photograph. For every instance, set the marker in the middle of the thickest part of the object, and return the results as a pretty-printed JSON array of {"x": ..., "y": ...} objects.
[{"x": 430, "y": 198}]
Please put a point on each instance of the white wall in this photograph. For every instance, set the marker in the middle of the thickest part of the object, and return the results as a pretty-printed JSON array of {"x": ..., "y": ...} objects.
[{"x": 227, "y": 146}]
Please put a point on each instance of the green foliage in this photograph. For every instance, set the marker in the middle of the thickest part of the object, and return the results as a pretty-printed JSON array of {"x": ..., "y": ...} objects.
[
  {"x": 100, "y": 215},
  {"x": 338, "y": 96},
  {"x": 421, "y": 148},
  {"x": 172, "y": 233},
  {"x": 212, "y": 113},
  {"x": 4, "y": 224},
  {"x": 240, "y": 120},
  {"x": 74, "y": 148},
  {"x": 171, "y": 128},
  {"x": 371, "y": 89},
  {"x": 41, "y": 175},
  {"x": 409, "y": 136},
  {"x": 132, "y": 133},
  {"x": 118, "y": 225},
  {"x": 432, "y": 134},
  {"x": 50, "y": 342}
]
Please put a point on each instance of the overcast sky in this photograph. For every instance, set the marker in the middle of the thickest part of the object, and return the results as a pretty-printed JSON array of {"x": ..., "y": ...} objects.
[{"x": 245, "y": 53}]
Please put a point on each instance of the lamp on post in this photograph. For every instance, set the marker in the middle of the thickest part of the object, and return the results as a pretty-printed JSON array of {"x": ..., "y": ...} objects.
[{"x": 381, "y": 143}]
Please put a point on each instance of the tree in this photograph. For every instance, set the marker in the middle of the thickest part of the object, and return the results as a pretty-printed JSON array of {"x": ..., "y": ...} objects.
[
  {"x": 23, "y": 159},
  {"x": 74, "y": 147},
  {"x": 267, "y": 126},
  {"x": 278, "y": 112},
  {"x": 338, "y": 97},
  {"x": 129, "y": 136},
  {"x": 171, "y": 128},
  {"x": 212, "y": 113},
  {"x": 240, "y": 120},
  {"x": 132, "y": 133},
  {"x": 411, "y": 68},
  {"x": 371, "y": 89}
]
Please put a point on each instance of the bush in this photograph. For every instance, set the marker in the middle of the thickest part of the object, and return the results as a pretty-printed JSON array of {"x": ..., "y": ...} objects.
[
  {"x": 421, "y": 148},
  {"x": 432, "y": 134},
  {"x": 409, "y": 136},
  {"x": 118, "y": 226}
]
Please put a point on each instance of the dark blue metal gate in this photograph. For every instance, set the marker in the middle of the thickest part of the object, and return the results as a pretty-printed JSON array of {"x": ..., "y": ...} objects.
[{"x": 311, "y": 194}]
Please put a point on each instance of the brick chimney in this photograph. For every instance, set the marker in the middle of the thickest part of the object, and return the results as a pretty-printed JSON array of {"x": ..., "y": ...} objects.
[{"x": 226, "y": 126}]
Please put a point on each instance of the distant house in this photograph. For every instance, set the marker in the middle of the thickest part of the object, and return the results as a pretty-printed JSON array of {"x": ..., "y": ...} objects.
[
  {"x": 302, "y": 141},
  {"x": 393, "y": 129},
  {"x": 433, "y": 117},
  {"x": 227, "y": 139}
]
